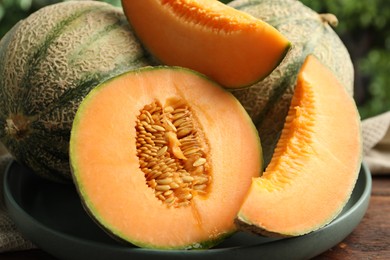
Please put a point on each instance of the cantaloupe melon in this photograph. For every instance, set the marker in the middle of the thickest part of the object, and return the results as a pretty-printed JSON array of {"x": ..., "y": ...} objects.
[
  {"x": 232, "y": 47},
  {"x": 316, "y": 161},
  {"x": 267, "y": 101},
  {"x": 162, "y": 158},
  {"x": 49, "y": 62}
]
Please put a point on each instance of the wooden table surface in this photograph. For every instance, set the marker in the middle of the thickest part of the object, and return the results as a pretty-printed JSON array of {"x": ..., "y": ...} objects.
[{"x": 370, "y": 240}]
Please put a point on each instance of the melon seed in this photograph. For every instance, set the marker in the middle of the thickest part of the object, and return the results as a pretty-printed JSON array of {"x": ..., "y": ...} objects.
[
  {"x": 187, "y": 179},
  {"x": 170, "y": 200},
  {"x": 164, "y": 181},
  {"x": 199, "y": 162},
  {"x": 163, "y": 187},
  {"x": 162, "y": 151},
  {"x": 174, "y": 185},
  {"x": 158, "y": 128}
]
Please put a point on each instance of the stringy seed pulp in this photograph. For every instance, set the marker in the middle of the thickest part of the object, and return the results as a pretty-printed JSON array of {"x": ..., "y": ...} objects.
[{"x": 172, "y": 149}]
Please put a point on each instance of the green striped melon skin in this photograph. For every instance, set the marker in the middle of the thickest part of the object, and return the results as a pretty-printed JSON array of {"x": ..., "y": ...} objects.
[
  {"x": 49, "y": 62},
  {"x": 267, "y": 102}
]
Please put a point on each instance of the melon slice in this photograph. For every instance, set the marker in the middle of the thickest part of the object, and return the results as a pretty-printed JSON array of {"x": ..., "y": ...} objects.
[
  {"x": 315, "y": 164},
  {"x": 163, "y": 157},
  {"x": 233, "y": 48}
]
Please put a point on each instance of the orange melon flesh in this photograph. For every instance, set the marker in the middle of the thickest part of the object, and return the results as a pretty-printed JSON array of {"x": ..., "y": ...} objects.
[
  {"x": 315, "y": 164},
  {"x": 106, "y": 169},
  {"x": 233, "y": 48}
]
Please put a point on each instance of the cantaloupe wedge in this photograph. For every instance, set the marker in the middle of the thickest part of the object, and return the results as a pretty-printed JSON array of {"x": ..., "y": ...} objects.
[
  {"x": 163, "y": 157},
  {"x": 230, "y": 46},
  {"x": 315, "y": 164}
]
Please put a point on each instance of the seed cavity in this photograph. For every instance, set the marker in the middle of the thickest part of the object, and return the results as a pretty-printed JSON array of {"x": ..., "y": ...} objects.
[{"x": 172, "y": 152}]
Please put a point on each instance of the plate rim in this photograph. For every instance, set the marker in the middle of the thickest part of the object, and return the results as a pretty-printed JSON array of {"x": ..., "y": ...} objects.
[{"x": 13, "y": 207}]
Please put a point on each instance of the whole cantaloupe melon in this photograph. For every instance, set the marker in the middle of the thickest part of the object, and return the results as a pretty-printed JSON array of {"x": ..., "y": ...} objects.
[
  {"x": 49, "y": 62},
  {"x": 267, "y": 102}
]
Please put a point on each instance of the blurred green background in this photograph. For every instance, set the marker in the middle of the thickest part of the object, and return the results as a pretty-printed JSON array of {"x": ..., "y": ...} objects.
[{"x": 364, "y": 27}]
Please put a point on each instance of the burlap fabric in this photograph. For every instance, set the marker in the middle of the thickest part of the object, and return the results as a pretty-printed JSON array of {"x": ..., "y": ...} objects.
[
  {"x": 376, "y": 147},
  {"x": 376, "y": 143},
  {"x": 10, "y": 238}
]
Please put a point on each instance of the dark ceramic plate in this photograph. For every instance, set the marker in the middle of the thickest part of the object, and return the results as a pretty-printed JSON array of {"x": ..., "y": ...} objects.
[{"x": 51, "y": 216}]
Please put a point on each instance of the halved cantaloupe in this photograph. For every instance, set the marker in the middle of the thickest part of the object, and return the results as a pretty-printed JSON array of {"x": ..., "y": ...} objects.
[
  {"x": 315, "y": 164},
  {"x": 163, "y": 157},
  {"x": 230, "y": 46}
]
